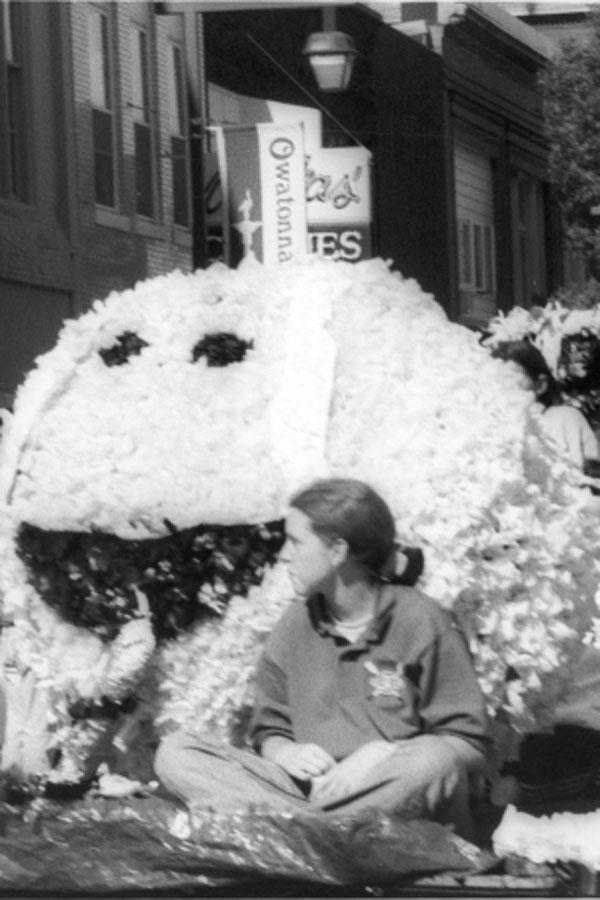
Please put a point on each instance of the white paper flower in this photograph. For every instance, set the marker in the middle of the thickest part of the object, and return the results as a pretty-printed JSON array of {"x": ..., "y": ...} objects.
[{"x": 561, "y": 837}]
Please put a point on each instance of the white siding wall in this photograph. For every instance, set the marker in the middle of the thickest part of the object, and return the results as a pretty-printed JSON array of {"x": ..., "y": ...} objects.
[{"x": 473, "y": 186}]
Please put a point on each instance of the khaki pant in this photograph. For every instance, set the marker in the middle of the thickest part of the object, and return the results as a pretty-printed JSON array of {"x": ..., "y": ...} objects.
[{"x": 410, "y": 782}]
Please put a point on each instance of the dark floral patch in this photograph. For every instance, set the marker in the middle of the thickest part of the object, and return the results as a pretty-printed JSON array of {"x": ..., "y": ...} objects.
[
  {"x": 511, "y": 674},
  {"x": 67, "y": 791},
  {"x": 104, "y": 708},
  {"x": 579, "y": 362},
  {"x": 128, "y": 344},
  {"x": 221, "y": 348},
  {"x": 19, "y": 790},
  {"x": 187, "y": 575}
]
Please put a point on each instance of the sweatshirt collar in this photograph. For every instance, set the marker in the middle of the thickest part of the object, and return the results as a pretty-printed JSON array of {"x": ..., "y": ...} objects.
[{"x": 376, "y": 631}]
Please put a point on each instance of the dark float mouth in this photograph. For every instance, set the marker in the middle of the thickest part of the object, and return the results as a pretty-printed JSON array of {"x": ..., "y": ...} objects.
[{"x": 188, "y": 575}]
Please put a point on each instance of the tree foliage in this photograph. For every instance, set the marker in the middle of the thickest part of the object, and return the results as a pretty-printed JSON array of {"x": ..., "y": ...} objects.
[{"x": 571, "y": 105}]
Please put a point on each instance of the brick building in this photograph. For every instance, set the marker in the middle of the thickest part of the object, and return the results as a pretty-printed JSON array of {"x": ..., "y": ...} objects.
[{"x": 95, "y": 187}]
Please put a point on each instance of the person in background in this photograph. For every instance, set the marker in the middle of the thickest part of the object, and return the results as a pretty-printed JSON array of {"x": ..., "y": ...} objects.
[
  {"x": 565, "y": 424},
  {"x": 365, "y": 694}
]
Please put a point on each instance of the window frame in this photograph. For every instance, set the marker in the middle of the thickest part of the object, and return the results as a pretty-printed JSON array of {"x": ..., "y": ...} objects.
[
  {"x": 103, "y": 105},
  {"x": 143, "y": 123},
  {"x": 476, "y": 241},
  {"x": 15, "y": 175},
  {"x": 178, "y": 128}
]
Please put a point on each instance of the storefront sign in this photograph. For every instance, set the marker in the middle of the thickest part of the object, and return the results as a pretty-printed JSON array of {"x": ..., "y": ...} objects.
[
  {"x": 265, "y": 187},
  {"x": 350, "y": 244},
  {"x": 261, "y": 169},
  {"x": 338, "y": 199}
]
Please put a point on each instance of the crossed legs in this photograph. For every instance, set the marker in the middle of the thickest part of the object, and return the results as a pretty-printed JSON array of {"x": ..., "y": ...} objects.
[{"x": 417, "y": 780}]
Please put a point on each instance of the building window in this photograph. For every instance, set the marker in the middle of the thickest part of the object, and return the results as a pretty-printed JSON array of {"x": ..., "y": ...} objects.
[
  {"x": 101, "y": 97},
  {"x": 142, "y": 124},
  {"x": 476, "y": 256},
  {"x": 14, "y": 171},
  {"x": 178, "y": 138},
  {"x": 464, "y": 252}
]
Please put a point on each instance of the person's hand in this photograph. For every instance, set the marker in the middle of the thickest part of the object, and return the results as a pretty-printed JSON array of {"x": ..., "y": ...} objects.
[
  {"x": 346, "y": 777},
  {"x": 302, "y": 761}
]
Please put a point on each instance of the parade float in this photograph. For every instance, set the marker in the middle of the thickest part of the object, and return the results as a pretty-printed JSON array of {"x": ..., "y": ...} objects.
[{"x": 149, "y": 459}]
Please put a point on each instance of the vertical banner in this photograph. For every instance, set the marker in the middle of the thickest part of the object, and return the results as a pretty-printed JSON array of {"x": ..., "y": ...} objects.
[
  {"x": 261, "y": 169},
  {"x": 338, "y": 199}
]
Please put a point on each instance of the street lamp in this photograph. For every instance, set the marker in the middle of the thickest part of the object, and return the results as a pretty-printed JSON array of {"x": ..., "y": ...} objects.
[{"x": 331, "y": 56}]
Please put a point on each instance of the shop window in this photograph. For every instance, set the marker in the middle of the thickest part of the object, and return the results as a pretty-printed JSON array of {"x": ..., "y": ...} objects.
[
  {"x": 178, "y": 138},
  {"x": 142, "y": 124},
  {"x": 101, "y": 98},
  {"x": 14, "y": 174}
]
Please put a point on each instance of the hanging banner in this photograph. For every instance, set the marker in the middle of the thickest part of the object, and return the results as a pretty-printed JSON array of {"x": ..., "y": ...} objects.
[
  {"x": 338, "y": 200},
  {"x": 261, "y": 170}
]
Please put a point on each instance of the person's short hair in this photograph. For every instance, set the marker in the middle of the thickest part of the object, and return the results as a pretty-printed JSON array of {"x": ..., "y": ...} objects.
[{"x": 350, "y": 509}]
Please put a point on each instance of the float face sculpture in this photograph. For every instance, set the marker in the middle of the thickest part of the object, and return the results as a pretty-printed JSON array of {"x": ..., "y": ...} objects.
[{"x": 155, "y": 448}]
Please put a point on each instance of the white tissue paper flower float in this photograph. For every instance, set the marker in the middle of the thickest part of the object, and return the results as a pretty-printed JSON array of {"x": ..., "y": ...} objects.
[
  {"x": 195, "y": 405},
  {"x": 561, "y": 837},
  {"x": 546, "y": 327}
]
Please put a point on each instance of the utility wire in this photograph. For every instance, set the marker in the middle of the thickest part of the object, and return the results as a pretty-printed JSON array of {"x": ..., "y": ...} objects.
[{"x": 304, "y": 90}]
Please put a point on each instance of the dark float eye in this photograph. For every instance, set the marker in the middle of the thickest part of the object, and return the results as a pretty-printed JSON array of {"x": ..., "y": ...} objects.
[
  {"x": 221, "y": 348},
  {"x": 128, "y": 344}
]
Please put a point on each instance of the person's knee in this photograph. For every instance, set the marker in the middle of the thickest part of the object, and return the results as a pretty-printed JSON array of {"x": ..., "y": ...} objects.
[
  {"x": 431, "y": 780},
  {"x": 433, "y": 769}
]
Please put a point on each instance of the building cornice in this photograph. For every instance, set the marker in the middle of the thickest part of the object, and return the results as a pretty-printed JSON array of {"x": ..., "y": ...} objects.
[{"x": 500, "y": 26}]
